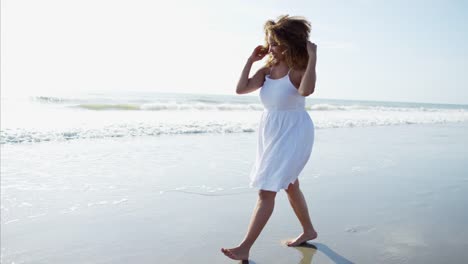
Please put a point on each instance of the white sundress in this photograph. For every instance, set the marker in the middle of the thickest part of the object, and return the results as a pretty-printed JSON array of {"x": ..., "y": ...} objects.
[{"x": 285, "y": 136}]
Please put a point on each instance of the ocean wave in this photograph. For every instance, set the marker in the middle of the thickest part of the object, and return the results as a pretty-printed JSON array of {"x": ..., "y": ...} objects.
[
  {"x": 83, "y": 118},
  {"x": 173, "y": 107},
  {"x": 358, "y": 107},
  {"x": 53, "y": 100},
  {"x": 109, "y": 106},
  {"x": 249, "y": 107},
  {"x": 15, "y": 136},
  {"x": 225, "y": 103}
]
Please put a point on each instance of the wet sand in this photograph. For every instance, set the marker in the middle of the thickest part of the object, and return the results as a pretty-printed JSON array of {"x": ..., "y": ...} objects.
[{"x": 395, "y": 194}]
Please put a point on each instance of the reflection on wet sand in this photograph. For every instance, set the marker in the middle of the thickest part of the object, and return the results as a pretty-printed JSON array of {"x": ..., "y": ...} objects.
[{"x": 308, "y": 250}]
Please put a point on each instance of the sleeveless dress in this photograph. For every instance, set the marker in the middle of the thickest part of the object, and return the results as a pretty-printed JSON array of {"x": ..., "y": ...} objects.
[{"x": 285, "y": 136}]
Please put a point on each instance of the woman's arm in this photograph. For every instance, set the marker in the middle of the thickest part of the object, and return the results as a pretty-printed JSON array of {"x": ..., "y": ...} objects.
[
  {"x": 309, "y": 78},
  {"x": 246, "y": 84}
]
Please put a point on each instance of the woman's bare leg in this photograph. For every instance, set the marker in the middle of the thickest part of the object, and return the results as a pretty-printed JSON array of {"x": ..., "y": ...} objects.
[
  {"x": 260, "y": 216},
  {"x": 299, "y": 205}
]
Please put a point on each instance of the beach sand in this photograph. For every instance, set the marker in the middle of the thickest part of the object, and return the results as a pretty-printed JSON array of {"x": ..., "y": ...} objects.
[{"x": 393, "y": 194}]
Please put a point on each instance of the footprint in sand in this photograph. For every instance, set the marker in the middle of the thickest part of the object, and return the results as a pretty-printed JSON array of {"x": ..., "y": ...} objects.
[{"x": 360, "y": 229}]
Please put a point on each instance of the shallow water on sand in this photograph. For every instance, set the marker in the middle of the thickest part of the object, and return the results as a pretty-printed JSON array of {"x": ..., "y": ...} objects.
[{"x": 376, "y": 195}]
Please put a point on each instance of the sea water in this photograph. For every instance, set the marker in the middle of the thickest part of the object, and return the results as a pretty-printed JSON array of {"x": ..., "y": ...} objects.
[
  {"x": 159, "y": 169},
  {"x": 43, "y": 118}
]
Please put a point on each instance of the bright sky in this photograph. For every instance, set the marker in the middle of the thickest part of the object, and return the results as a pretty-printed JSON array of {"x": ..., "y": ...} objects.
[{"x": 411, "y": 51}]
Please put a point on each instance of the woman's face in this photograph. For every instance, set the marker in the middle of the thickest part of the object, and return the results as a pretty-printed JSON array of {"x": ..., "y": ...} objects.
[{"x": 275, "y": 49}]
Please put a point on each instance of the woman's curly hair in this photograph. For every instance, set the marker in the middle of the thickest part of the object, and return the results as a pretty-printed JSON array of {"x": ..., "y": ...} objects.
[{"x": 292, "y": 33}]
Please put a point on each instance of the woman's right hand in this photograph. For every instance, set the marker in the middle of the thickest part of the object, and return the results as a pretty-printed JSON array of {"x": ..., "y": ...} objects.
[{"x": 258, "y": 53}]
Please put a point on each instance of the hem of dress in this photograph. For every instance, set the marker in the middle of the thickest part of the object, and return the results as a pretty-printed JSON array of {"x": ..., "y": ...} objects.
[{"x": 270, "y": 189}]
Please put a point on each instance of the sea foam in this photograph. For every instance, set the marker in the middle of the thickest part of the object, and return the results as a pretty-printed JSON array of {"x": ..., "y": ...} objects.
[{"x": 46, "y": 118}]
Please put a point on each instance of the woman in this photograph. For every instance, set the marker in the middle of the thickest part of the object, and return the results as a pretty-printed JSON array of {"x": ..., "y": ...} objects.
[{"x": 286, "y": 131}]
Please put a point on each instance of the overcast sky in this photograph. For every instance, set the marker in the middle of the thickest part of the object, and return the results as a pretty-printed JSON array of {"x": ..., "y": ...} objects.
[{"x": 411, "y": 51}]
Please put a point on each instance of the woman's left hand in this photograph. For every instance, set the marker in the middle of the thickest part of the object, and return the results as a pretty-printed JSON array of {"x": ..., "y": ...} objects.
[{"x": 311, "y": 50}]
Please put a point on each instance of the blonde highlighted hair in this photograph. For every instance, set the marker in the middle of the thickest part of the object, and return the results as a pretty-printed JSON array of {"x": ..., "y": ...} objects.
[{"x": 292, "y": 33}]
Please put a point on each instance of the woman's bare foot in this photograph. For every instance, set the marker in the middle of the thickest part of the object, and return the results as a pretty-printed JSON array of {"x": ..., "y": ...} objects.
[
  {"x": 237, "y": 253},
  {"x": 304, "y": 237}
]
